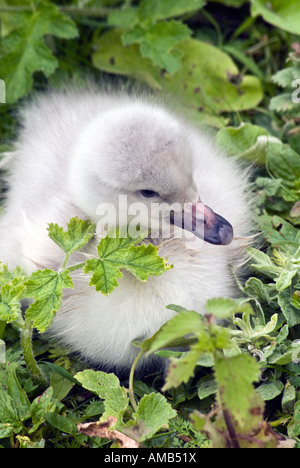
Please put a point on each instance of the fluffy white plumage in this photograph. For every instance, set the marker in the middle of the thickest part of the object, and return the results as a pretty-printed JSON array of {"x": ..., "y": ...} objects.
[{"x": 79, "y": 148}]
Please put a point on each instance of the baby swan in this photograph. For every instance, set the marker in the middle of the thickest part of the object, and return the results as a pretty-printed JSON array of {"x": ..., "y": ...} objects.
[{"x": 79, "y": 150}]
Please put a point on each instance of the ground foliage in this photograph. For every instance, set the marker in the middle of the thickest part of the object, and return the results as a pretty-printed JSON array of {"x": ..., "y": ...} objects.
[{"x": 234, "y": 67}]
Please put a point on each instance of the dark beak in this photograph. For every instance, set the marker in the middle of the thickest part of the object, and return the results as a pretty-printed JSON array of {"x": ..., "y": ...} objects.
[{"x": 205, "y": 224}]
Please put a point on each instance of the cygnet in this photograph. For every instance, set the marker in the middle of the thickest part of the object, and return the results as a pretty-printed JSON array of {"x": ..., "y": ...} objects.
[{"x": 78, "y": 150}]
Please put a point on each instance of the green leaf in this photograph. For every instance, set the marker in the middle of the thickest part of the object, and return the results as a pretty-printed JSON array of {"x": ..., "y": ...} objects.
[
  {"x": 157, "y": 43},
  {"x": 284, "y": 163},
  {"x": 270, "y": 390},
  {"x": 126, "y": 18},
  {"x": 203, "y": 81},
  {"x": 206, "y": 386},
  {"x": 76, "y": 236},
  {"x": 185, "y": 323},
  {"x": 153, "y": 413},
  {"x": 244, "y": 142},
  {"x": 279, "y": 233},
  {"x": 7, "y": 276},
  {"x": 46, "y": 287},
  {"x": 62, "y": 423},
  {"x": 282, "y": 103},
  {"x": 181, "y": 369},
  {"x": 17, "y": 394},
  {"x": 223, "y": 308},
  {"x": 111, "y": 56},
  {"x": 117, "y": 253},
  {"x": 290, "y": 312},
  {"x": 39, "y": 407},
  {"x": 285, "y": 77},
  {"x": 158, "y": 10},
  {"x": 263, "y": 263},
  {"x": 24, "y": 49},
  {"x": 284, "y": 14},
  {"x": 10, "y": 296},
  {"x": 235, "y": 377},
  {"x": 151, "y": 11},
  {"x": 107, "y": 387}
]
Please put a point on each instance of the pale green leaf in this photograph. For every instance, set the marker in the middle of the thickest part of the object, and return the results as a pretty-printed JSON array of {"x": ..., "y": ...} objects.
[
  {"x": 158, "y": 41},
  {"x": 245, "y": 142},
  {"x": 223, "y": 308},
  {"x": 203, "y": 81},
  {"x": 185, "y": 323},
  {"x": 107, "y": 387},
  {"x": 10, "y": 296},
  {"x": 119, "y": 253},
  {"x": 285, "y": 77},
  {"x": 153, "y": 413},
  {"x": 46, "y": 287},
  {"x": 181, "y": 369},
  {"x": 235, "y": 377},
  {"x": 76, "y": 236}
]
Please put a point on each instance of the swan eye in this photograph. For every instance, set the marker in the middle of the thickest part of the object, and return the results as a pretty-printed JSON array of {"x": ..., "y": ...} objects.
[{"x": 149, "y": 193}]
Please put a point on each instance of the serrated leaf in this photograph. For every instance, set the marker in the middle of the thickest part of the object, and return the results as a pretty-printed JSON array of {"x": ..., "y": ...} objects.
[
  {"x": 153, "y": 413},
  {"x": 107, "y": 387},
  {"x": 181, "y": 369},
  {"x": 282, "y": 103},
  {"x": 46, "y": 287},
  {"x": 117, "y": 253},
  {"x": 77, "y": 235},
  {"x": 24, "y": 49},
  {"x": 285, "y": 77},
  {"x": 235, "y": 377},
  {"x": 158, "y": 41},
  {"x": 10, "y": 296},
  {"x": 7, "y": 276}
]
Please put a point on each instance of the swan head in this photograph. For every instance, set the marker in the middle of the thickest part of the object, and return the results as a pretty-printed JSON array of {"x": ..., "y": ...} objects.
[{"x": 132, "y": 165}]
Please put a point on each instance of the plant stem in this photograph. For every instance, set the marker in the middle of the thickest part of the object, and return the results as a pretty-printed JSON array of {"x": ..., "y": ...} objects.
[
  {"x": 64, "y": 264},
  {"x": 32, "y": 367},
  {"x": 233, "y": 437},
  {"x": 132, "y": 370}
]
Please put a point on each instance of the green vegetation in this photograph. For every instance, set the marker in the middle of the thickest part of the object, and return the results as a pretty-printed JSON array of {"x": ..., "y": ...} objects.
[{"x": 234, "y": 67}]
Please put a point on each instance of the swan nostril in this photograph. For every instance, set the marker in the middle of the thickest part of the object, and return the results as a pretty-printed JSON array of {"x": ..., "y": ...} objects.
[{"x": 225, "y": 233}]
